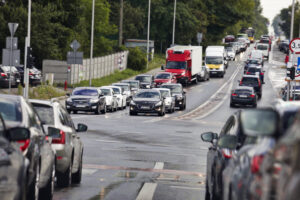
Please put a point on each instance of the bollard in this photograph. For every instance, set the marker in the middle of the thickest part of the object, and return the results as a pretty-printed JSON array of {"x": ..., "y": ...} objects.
[{"x": 66, "y": 85}]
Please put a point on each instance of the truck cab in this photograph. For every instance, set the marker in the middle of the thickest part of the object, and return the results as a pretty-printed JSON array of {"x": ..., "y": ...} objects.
[{"x": 215, "y": 60}]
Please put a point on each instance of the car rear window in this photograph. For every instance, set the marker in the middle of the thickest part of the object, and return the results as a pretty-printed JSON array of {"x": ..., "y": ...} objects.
[
  {"x": 252, "y": 69},
  {"x": 262, "y": 47},
  {"x": 243, "y": 91},
  {"x": 250, "y": 80},
  {"x": 45, "y": 113}
]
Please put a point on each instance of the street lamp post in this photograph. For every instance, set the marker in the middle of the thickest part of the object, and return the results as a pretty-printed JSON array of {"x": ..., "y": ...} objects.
[
  {"x": 92, "y": 43},
  {"x": 148, "y": 33},
  {"x": 174, "y": 20},
  {"x": 27, "y": 44}
]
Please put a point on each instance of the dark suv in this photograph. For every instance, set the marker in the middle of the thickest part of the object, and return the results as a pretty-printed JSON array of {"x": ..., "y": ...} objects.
[
  {"x": 252, "y": 81},
  {"x": 146, "y": 81}
]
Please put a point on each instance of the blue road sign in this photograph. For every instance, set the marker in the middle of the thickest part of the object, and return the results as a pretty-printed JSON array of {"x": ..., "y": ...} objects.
[{"x": 298, "y": 64}]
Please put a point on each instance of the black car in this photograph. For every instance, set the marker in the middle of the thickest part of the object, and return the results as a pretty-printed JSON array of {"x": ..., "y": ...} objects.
[
  {"x": 256, "y": 71},
  {"x": 35, "y": 76},
  {"x": 252, "y": 81},
  {"x": 17, "y": 112},
  {"x": 178, "y": 93},
  {"x": 147, "y": 101},
  {"x": 5, "y": 75},
  {"x": 13, "y": 167},
  {"x": 243, "y": 96},
  {"x": 146, "y": 81},
  {"x": 21, "y": 71},
  {"x": 87, "y": 99},
  {"x": 217, "y": 157},
  {"x": 134, "y": 85}
]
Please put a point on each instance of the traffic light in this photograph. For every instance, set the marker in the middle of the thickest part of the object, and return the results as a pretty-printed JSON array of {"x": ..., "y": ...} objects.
[
  {"x": 30, "y": 58},
  {"x": 291, "y": 73}
]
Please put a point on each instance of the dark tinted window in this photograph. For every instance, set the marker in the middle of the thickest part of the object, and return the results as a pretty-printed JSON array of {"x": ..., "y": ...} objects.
[
  {"x": 164, "y": 93},
  {"x": 253, "y": 62},
  {"x": 106, "y": 92},
  {"x": 163, "y": 76},
  {"x": 116, "y": 91},
  {"x": 45, "y": 113},
  {"x": 242, "y": 91},
  {"x": 173, "y": 88},
  {"x": 214, "y": 60},
  {"x": 143, "y": 78},
  {"x": 155, "y": 95},
  {"x": 10, "y": 110},
  {"x": 175, "y": 65},
  {"x": 288, "y": 119},
  {"x": 86, "y": 92},
  {"x": 251, "y": 80}
]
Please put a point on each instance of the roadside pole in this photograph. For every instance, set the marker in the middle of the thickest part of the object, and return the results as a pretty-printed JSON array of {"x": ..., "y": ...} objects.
[
  {"x": 27, "y": 44},
  {"x": 174, "y": 23},
  {"x": 92, "y": 43},
  {"x": 148, "y": 33},
  {"x": 12, "y": 29}
]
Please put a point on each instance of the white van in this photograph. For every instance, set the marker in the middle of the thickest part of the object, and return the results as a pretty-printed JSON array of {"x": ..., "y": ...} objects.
[
  {"x": 215, "y": 60},
  {"x": 264, "y": 48}
]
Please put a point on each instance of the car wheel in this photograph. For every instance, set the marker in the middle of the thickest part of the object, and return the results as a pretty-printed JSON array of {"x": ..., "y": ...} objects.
[
  {"x": 254, "y": 105},
  {"x": 46, "y": 193},
  {"x": 76, "y": 178},
  {"x": 75, "y": 111},
  {"x": 64, "y": 179},
  {"x": 104, "y": 110},
  {"x": 33, "y": 192},
  {"x": 196, "y": 80},
  {"x": 69, "y": 111},
  {"x": 132, "y": 113},
  {"x": 98, "y": 111},
  {"x": 207, "y": 195},
  {"x": 232, "y": 105}
]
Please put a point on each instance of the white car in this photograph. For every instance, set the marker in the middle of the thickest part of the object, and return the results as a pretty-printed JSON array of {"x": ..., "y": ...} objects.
[
  {"x": 110, "y": 98},
  {"x": 169, "y": 100},
  {"x": 230, "y": 53},
  {"x": 126, "y": 90},
  {"x": 264, "y": 48},
  {"x": 121, "y": 98}
]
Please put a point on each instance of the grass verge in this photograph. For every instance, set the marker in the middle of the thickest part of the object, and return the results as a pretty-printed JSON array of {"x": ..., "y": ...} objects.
[
  {"x": 122, "y": 75},
  {"x": 44, "y": 92}
]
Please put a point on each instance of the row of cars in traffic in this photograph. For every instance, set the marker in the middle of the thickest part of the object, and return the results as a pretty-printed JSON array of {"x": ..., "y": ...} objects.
[
  {"x": 15, "y": 75},
  {"x": 251, "y": 83},
  {"x": 145, "y": 94},
  {"x": 39, "y": 147}
]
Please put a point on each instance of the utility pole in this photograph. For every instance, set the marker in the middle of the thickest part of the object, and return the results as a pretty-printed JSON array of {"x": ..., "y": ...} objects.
[
  {"x": 174, "y": 22},
  {"x": 148, "y": 32},
  {"x": 27, "y": 44},
  {"x": 121, "y": 23},
  {"x": 92, "y": 43},
  {"x": 292, "y": 21}
]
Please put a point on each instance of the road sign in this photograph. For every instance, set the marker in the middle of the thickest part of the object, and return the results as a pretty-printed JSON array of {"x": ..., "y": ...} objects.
[
  {"x": 12, "y": 43},
  {"x": 13, "y": 28},
  {"x": 199, "y": 37},
  {"x": 10, "y": 58},
  {"x": 74, "y": 58},
  {"x": 295, "y": 46},
  {"x": 75, "y": 45},
  {"x": 298, "y": 64}
]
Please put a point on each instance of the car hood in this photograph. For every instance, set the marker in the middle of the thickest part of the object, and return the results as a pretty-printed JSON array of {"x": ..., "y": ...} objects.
[
  {"x": 83, "y": 97},
  {"x": 138, "y": 100}
]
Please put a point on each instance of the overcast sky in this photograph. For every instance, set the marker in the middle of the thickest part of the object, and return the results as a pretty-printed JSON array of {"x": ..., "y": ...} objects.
[{"x": 272, "y": 7}]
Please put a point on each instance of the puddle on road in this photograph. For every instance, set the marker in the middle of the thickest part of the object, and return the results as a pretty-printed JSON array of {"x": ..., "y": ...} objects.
[
  {"x": 104, "y": 191},
  {"x": 127, "y": 174}
]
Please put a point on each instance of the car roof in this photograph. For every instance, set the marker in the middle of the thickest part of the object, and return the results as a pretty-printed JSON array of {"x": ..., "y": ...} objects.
[
  {"x": 285, "y": 106},
  {"x": 131, "y": 80},
  {"x": 148, "y": 90},
  {"x": 250, "y": 76},
  {"x": 114, "y": 86},
  {"x": 125, "y": 84},
  {"x": 178, "y": 84},
  {"x": 166, "y": 89},
  {"x": 244, "y": 88},
  {"x": 105, "y": 87},
  {"x": 44, "y": 102},
  {"x": 80, "y": 88},
  {"x": 143, "y": 75},
  {"x": 10, "y": 96}
]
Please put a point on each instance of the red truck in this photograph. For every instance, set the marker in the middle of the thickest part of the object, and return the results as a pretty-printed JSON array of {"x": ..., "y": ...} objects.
[{"x": 185, "y": 62}]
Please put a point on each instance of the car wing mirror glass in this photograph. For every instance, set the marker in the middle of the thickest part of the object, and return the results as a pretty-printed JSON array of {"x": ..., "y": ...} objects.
[
  {"x": 18, "y": 133},
  {"x": 208, "y": 137},
  {"x": 228, "y": 142},
  {"x": 68, "y": 94},
  {"x": 82, "y": 128}
]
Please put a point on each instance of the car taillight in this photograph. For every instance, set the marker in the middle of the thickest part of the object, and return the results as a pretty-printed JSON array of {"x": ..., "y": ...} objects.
[
  {"x": 259, "y": 84},
  {"x": 3, "y": 75},
  {"x": 248, "y": 72},
  {"x": 61, "y": 139},
  {"x": 241, "y": 82},
  {"x": 30, "y": 74},
  {"x": 261, "y": 73},
  {"x": 252, "y": 95},
  {"x": 256, "y": 161},
  {"x": 24, "y": 144},
  {"x": 227, "y": 153},
  {"x": 233, "y": 94}
]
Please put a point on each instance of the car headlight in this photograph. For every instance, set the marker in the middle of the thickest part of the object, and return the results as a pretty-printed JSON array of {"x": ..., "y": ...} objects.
[
  {"x": 132, "y": 103},
  {"x": 93, "y": 100},
  {"x": 168, "y": 102},
  {"x": 158, "y": 103},
  {"x": 179, "y": 97},
  {"x": 183, "y": 73},
  {"x": 69, "y": 100},
  {"x": 148, "y": 86}
]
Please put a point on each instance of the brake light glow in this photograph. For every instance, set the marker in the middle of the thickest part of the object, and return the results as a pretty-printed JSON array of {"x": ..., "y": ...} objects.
[
  {"x": 256, "y": 162},
  {"x": 227, "y": 153},
  {"x": 61, "y": 139},
  {"x": 233, "y": 94},
  {"x": 3, "y": 75},
  {"x": 24, "y": 144},
  {"x": 261, "y": 73},
  {"x": 248, "y": 72},
  {"x": 252, "y": 95}
]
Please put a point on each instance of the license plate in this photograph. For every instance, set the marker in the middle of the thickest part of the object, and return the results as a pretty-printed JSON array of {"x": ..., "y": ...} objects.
[
  {"x": 18, "y": 81},
  {"x": 243, "y": 96},
  {"x": 213, "y": 72},
  {"x": 145, "y": 107},
  {"x": 80, "y": 106}
]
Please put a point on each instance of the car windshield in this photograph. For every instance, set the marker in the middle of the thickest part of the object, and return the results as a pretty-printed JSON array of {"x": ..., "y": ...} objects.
[
  {"x": 173, "y": 88},
  {"x": 262, "y": 47},
  {"x": 253, "y": 62},
  {"x": 163, "y": 76},
  {"x": 176, "y": 65},
  {"x": 253, "y": 70},
  {"x": 288, "y": 119},
  {"x": 251, "y": 80},
  {"x": 143, "y": 78},
  {"x": 229, "y": 49},
  {"x": 10, "y": 110},
  {"x": 214, "y": 60},
  {"x": 148, "y": 94},
  {"x": 165, "y": 93},
  {"x": 106, "y": 92},
  {"x": 116, "y": 90},
  {"x": 239, "y": 91},
  {"x": 125, "y": 87},
  {"x": 5, "y": 68},
  {"x": 86, "y": 92},
  {"x": 45, "y": 113}
]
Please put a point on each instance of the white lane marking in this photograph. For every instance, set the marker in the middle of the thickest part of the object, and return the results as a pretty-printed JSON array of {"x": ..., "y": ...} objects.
[
  {"x": 88, "y": 171},
  {"x": 148, "y": 189},
  {"x": 186, "y": 188},
  {"x": 108, "y": 141},
  {"x": 131, "y": 132}
]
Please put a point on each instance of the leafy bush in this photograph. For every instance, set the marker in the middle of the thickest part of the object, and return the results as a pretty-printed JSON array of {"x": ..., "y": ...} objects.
[
  {"x": 45, "y": 92},
  {"x": 137, "y": 59}
]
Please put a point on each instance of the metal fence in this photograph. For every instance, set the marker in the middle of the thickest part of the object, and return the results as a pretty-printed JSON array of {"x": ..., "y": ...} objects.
[{"x": 101, "y": 66}]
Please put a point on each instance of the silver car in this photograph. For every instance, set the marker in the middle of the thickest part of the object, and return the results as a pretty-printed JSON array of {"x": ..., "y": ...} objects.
[
  {"x": 65, "y": 140},
  {"x": 169, "y": 100}
]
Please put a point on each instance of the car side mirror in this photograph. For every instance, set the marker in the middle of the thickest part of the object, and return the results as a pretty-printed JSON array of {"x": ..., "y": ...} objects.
[
  {"x": 208, "y": 137},
  {"x": 163, "y": 67},
  {"x": 68, "y": 94},
  {"x": 100, "y": 95},
  {"x": 81, "y": 128},
  {"x": 17, "y": 134},
  {"x": 228, "y": 142}
]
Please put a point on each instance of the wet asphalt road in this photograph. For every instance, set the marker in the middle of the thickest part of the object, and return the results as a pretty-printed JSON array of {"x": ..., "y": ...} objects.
[{"x": 150, "y": 157}]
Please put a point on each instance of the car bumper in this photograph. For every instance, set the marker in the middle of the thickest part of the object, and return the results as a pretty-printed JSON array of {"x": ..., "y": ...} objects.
[
  {"x": 78, "y": 107},
  {"x": 34, "y": 81},
  {"x": 62, "y": 157},
  {"x": 182, "y": 80},
  {"x": 138, "y": 109},
  {"x": 244, "y": 101},
  {"x": 179, "y": 103},
  {"x": 217, "y": 73}
]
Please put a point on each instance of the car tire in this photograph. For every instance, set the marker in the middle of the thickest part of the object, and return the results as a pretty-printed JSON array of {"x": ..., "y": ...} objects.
[
  {"x": 207, "y": 195},
  {"x": 69, "y": 111},
  {"x": 64, "y": 179},
  {"x": 104, "y": 110},
  {"x": 132, "y": 113},
  {"x": 254, "y": 105},
  {"x": 232, "y": 105},
  {"x": 33, "y": 192},
  {"x": 47, "y": 192},
  {"x": 76, "y": 177},
  {"x": 222, "y": 75},
  {"x": 75, "y": 111},
  {"x": 98, "y": 111}
]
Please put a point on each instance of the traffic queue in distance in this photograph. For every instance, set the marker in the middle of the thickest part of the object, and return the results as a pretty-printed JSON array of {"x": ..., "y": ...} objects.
[
  {"x": 256, "y": 153},
  {"x": 161, "y": 93}
]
